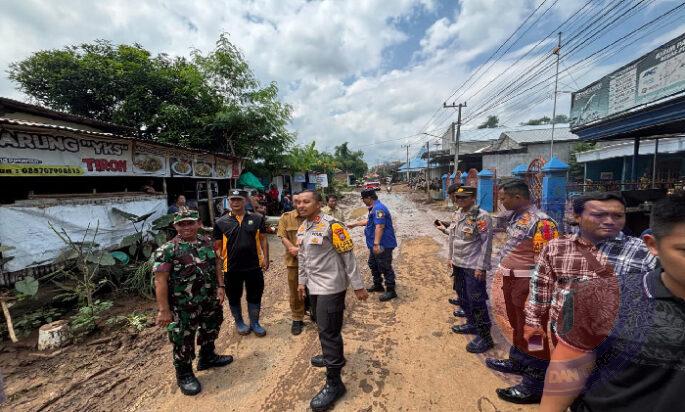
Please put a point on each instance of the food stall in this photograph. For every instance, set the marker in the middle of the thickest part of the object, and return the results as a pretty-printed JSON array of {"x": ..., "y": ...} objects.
[{"x": 77, "y": 179}]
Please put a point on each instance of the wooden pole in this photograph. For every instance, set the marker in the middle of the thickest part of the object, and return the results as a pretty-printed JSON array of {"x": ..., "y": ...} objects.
[
  {"x": 8, "y": 319},
  {"x": 210, "y": 201}
]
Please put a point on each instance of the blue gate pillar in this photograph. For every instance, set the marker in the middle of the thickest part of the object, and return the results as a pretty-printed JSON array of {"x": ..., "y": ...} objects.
[
  {"x": 554, "y": 190},
  {"x": 463, "y": 178},
  {"x": 486, "y": 187},
  {"x": 520, "y": 171},
  {"x": 444, "y": 186}
]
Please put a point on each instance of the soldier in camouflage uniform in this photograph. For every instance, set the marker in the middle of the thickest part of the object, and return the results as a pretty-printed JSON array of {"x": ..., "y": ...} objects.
[{"x": 186, "y": 289}]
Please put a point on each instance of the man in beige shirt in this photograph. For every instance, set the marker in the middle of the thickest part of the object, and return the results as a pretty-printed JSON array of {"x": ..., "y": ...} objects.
[
  {"x": 332, "y": 208},
  {"x": 327, "y": 267},
  {"x": 287, "y": 232}
]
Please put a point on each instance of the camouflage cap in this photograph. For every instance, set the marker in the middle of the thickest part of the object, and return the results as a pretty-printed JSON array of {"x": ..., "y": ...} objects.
[{"x": 186, "y": 214}]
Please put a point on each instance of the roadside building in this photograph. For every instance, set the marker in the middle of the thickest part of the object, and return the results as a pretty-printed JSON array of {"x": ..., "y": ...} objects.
[{"x": 77, "y": 174}]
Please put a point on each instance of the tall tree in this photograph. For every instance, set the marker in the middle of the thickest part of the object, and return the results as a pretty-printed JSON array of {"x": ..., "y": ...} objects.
[
  {"x": 349, "y": 161},
  {"x": 491, "y": 122},
  {"x": 210, "y": 101}
]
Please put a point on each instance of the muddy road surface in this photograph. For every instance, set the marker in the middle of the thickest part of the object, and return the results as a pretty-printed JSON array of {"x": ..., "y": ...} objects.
[{"x": 401, "y": 355}]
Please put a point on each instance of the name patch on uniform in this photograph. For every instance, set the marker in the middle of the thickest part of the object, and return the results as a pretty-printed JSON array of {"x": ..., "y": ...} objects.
[{"x": 342, "y": 242}]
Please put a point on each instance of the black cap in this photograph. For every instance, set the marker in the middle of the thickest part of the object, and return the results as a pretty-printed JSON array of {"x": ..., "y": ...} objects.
[
  {"x": 368, "y": 193},
  {"x": 235, "y": 193},
  {"x": 465, "y": 191}
]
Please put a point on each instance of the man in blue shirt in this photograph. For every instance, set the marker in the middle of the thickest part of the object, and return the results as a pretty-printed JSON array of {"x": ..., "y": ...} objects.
[{"x": 380, "y": 239}]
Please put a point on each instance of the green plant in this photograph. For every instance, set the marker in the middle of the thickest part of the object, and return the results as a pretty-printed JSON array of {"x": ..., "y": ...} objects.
[
  {"x": 136, "y": 320},
  {"x": 27, "y": 322},
  {"x": 82, "y": 263},
  {"x": 143, "y": 241},
  {"x": 85, "y": 320},
  {"x": 141, "y": 280}
]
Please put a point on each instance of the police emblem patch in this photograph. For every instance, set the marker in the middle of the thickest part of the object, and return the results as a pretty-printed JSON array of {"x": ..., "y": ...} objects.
[
  {"x": 342, "y": 242},
  {"x": 379, "y": 214}
]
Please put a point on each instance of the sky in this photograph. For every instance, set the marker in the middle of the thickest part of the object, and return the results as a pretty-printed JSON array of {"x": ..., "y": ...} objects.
[{"x": 374, "y": 73}]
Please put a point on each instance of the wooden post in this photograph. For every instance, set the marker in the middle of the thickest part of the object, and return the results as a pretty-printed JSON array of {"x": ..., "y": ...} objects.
[
  {"x": 210, "y": 201},
  {"x": 8, "y": 319}
]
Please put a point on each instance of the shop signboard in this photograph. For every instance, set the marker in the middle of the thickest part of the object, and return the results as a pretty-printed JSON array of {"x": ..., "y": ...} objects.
[
  {"x": 150, "y": 160},
  {"x": 647, "y": 80},
  {"x": 223, "y": 168},
  {"x": 181, "y": 164},
  {"x": 203, "y": 166},
  {"x": 24, "y": 153}
]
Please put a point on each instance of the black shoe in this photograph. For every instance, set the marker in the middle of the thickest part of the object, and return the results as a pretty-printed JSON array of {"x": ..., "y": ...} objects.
[
  {"x": 296, "y": 328},
  {"x": 331, "y": 392},
  {"x": 480, "y": 345},
  {"x": 455, "y": 302},
  {"x": 186, "y": 381},
  {"x": 388, "y": 295},
  {"x": 214, "y": 361},
  {"x": 519, "y": 394},
  {"x": 458, "y": 312},
  {"x": 464, "y": 329},
  {"x": 503, "y": 365},
  {"x": 376, "y": 288},
  {"x": 209, "y": 358},
  {"x": 317, "y": 361}
]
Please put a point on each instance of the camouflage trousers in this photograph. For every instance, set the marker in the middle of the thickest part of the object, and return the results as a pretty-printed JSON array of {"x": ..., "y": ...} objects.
[{"x": 203, "y": 319}]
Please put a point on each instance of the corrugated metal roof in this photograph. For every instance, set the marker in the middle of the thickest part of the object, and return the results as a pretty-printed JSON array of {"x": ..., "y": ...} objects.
[
  {"x": 55, "y": 114},
  {"x": 16, "y": 122},
  {"x": 539, "y": 135}
]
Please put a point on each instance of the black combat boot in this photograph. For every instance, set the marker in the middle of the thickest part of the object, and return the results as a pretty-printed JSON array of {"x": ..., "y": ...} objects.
[
  {"x": 209, "y": 358},
  {"x": 480, "y": 344},
  {"x": 186, "y": 380},
  {"x": 317, "y": 361},
  {"x": 375, "y": 288},
  {"x": 388, "y": 295},
  {"x": 297, "y": 327},
  {"x": 331, "y": 392}
]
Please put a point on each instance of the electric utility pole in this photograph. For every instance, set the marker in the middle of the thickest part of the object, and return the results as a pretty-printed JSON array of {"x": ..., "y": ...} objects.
[
  {"x": 428, "y": 166},
  {"x": 407, "y": 146},
  {"x": 456, "y": 135},
  {"x": 557, "y": 51}
]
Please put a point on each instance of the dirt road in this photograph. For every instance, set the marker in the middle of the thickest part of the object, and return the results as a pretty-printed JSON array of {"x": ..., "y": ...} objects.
[{"x": 401, "y": 355}]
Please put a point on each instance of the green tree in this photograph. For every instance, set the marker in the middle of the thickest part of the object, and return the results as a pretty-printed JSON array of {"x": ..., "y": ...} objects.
[
  {"x": 349, "y": 161},
  {"x": 491, "y": 122},
  {"x": 537, "y": 122},
  {"x": 210, "y": 101},
  {"x": 576, "y": 170},
  {"x": 561, "y": 118}
]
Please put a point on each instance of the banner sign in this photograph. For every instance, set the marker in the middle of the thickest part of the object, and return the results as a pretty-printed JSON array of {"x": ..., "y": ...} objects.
[
  {"x": 322, "y": 180},
  {"x": 181, "y": 165},
  {"x": 150, "y": 160},
  {"x": 299, "y": 178},
  {"x": 44, "y": 154},
  {"x": 654, "y": 76},
  {"x": 237, "y": 169},
  {"x": 24, "y": 153},
  {"x": 203, "y": 166},
  {"x": 223, "y": 169}
]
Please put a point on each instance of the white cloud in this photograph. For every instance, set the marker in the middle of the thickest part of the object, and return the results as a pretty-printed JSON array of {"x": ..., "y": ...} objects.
[{"x": 329, "y": 57}]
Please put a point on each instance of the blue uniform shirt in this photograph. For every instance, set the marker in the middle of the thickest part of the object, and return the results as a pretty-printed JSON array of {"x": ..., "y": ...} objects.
[{"x": 380, "y": 215}]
